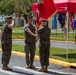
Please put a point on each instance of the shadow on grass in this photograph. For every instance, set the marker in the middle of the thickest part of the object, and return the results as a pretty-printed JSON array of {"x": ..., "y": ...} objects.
[{"x": 70, "y": 55}]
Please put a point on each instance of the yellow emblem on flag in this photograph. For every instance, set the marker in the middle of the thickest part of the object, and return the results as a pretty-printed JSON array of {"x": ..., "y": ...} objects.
[{"x": 42, "y": 1}]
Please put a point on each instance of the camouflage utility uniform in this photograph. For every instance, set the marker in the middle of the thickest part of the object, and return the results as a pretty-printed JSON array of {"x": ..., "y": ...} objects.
[
  {"x": 44, "y": 34},
  {"x": 6, "y": 41},
  {"x": 30, "y": 46}
]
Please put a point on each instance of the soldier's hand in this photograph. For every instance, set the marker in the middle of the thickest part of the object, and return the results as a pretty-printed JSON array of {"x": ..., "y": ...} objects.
[{"x": 37, "y": 37}]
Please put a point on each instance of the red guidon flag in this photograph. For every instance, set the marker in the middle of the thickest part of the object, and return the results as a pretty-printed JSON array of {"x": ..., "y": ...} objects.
[{"x": 46, "y": 9}]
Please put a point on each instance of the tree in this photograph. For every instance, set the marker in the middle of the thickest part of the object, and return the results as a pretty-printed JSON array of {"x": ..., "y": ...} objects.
[
  {"x": 7, "y": 7},
  {"x": 27, "y": 7},
  {"x": 10, "y": 6}
]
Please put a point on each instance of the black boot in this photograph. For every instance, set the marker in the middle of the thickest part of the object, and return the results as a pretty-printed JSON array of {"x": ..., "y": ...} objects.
[
  {"x": 32, "y": 66},
  {"x": 5, "y": 67}
]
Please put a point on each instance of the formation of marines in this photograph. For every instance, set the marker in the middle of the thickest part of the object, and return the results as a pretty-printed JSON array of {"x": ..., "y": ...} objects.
[{"x": 31, "y": 36}]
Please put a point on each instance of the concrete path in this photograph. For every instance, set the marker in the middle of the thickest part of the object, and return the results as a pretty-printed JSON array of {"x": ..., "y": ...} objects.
[{"x": 53, "y": 44}]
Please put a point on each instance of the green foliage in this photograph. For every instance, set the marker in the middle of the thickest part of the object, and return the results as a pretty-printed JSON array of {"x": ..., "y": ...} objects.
[
  {"x": 10, "y": 6},
  {"x": 7, "y": 7},
  {"x": 27, "y": 8}
]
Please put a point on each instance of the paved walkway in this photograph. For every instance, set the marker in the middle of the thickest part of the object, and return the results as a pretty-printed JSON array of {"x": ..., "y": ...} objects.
[{"x": 53, "y": 44}]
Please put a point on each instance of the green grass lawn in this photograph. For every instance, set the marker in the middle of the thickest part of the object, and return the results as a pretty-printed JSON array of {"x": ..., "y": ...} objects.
[
  {"x": 56, "y": 38},
  {"x": 15, "y": 28},
  {"x": 16, "y": 35},
  {"x": 55, "y": 53}
]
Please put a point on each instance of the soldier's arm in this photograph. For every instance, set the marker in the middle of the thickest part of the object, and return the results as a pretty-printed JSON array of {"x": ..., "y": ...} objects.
[{"x": 29, "y": 31}]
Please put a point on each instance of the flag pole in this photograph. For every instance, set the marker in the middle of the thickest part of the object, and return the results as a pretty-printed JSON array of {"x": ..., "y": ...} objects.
[{"x": 67, "y": 35}]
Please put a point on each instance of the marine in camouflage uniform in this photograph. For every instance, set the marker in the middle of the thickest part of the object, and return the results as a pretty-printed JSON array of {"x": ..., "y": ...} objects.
[
  {"x": 44, "y": 48},
  {"x": 30, "y": 39},
  {"x": 6, "y": 41}
]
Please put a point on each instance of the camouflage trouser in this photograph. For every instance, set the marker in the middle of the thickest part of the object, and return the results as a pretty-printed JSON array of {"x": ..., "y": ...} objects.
[
  {"x": 44, "y": 54},
  {"x": 6, "y": 53},
  {"x": 30, "y": 53}
]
